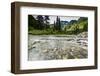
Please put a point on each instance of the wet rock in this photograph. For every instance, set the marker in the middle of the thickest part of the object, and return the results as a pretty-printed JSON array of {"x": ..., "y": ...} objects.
[{"x": 53, "y": 49}]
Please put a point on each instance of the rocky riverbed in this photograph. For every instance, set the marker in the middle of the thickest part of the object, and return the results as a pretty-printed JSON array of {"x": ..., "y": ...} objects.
[{"x": 53, "y": 47}]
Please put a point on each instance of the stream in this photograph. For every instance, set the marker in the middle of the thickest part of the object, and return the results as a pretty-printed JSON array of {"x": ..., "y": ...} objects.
[{"x": 54, "y": 47}]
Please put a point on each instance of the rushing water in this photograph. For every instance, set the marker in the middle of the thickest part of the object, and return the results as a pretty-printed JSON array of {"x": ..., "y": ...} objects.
[{"x": 51, "y": 47}]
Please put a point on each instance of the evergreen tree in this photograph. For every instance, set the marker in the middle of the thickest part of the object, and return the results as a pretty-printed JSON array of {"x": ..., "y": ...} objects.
[
  {"x": 40, "y": 22},
  {"x": 85, "y": 27},
  {"x": 76, "y": 29},
  {"x": 46, "y": 18},
  {"x": 54, "y": 27},
  {"x": 58, "y": 24},
  {"x": 31, "y": 22}
]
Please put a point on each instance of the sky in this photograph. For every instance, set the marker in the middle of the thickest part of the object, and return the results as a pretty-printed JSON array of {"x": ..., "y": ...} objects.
[{"x": 62, "y": 18}]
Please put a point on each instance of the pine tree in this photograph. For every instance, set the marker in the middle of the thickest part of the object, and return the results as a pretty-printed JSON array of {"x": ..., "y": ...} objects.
[
  {"x": 58, "y": 24},
  {"x": 85, "y": 27},
  {"x": 54, "y": 27},
  {"x": 31, "y": 22},
  {"x": 40, "y": 22},
  {"x": 46, "y": 18}
]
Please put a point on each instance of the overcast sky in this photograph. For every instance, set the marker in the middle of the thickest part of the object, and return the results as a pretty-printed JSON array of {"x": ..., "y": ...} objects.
[{"x": 62, "y": 18}]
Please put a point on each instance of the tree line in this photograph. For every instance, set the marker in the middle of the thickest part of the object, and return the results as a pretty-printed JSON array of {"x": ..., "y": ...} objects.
[{"x": 42, "y": 23}]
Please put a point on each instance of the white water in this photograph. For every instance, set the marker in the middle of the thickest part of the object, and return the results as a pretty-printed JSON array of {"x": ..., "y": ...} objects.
[{"x": 52, "y": 47}]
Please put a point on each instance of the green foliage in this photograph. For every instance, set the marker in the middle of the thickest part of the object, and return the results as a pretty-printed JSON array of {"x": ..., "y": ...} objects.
[
  {"x": 31, "y": 22},
  {"x": 77, "y": 27},
  {"x": 57, "y": 24},
  {"x": 46, "y": 32},
  {"x": 40, "y": 25}
]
